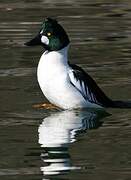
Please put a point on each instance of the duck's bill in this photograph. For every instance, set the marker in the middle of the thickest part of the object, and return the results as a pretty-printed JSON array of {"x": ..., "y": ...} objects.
[{"x": 34, "y": 42}]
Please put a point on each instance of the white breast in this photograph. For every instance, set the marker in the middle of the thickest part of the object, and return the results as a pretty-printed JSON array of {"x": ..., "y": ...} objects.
[{"x": 55, "y": 83}]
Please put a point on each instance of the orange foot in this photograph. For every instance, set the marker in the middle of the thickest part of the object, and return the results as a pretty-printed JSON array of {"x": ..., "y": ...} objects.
[{"x": 45, "y": 106}]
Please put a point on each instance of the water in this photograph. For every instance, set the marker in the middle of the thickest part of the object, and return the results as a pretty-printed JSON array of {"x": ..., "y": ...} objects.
[{"x": 48, "y": 144}]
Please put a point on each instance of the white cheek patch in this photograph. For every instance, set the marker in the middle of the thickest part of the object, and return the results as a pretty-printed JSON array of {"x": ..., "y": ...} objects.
[{"x": 45, "y": 40}]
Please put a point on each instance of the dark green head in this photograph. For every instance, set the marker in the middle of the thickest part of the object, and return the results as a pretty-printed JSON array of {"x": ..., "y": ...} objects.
[{"x": 51, "y": 36}]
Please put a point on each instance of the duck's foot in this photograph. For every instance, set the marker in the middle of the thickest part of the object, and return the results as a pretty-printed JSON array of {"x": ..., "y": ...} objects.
[{"x": 45, "y": 106}]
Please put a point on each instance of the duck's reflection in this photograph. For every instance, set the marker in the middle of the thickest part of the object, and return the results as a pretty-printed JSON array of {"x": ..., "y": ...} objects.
[{"x": 59, "y": 130}]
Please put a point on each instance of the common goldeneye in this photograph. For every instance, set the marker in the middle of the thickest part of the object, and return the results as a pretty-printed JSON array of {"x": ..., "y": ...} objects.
[{"x": 64, "y": 84}]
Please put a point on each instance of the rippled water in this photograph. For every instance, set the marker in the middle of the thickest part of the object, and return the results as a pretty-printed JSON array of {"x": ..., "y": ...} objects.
[{"x": 41, "y": 144}]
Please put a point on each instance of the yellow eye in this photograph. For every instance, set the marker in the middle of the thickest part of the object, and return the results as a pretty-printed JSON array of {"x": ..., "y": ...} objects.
[{"x": 49, "y": 34}]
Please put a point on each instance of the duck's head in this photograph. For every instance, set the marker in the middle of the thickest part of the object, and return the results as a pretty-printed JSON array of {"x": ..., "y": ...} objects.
[{"x": 51, "y": 36}]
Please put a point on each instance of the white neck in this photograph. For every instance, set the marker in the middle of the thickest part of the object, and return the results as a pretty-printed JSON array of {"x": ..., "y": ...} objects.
[
  {"x": 52, "y": 64},
  {"x": 64, "y": 51},
  {"x": 56, "y": 57}
]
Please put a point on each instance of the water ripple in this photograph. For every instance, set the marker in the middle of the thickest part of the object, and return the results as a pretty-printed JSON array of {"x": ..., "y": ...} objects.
[{"x": 17, "y": 72}]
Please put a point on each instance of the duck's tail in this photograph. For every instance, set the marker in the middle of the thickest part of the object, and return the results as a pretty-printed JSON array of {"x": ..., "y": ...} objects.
[{"x": 120, "y": 104}]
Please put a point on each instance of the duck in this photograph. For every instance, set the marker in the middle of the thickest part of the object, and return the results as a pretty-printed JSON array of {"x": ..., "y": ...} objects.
[{"x": 64, "y": 84}]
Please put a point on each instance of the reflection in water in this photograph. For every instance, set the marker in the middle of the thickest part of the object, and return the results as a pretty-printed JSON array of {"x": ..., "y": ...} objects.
[{"x": 59, "y": 130}]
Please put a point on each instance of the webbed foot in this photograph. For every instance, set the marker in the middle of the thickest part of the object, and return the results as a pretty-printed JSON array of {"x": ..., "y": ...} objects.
[{"x": 45, "y": 106}]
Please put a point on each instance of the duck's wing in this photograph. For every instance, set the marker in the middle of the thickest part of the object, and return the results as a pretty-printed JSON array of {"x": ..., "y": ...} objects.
[{"x": 87, "y": 86}]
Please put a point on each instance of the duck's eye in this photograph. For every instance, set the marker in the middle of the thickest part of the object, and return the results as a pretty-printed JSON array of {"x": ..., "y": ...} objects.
[{"x": 49, "y": 34}]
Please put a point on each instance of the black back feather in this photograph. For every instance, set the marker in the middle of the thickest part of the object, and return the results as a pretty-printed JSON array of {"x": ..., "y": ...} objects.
[{"x": 99, "y": 96}]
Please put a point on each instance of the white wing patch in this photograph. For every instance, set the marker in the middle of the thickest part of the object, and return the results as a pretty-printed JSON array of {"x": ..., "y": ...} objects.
[{"x": 82, "y": 87}]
